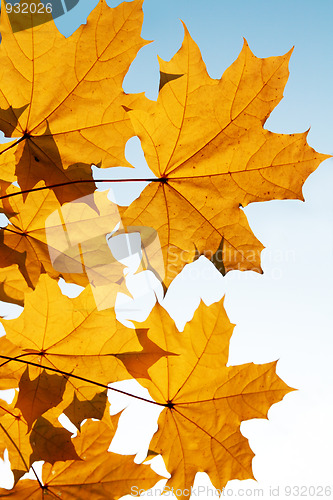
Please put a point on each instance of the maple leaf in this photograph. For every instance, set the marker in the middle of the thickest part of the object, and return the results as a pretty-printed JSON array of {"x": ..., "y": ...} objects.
[
  {"x": 74, "y": 338},
  {"x": 99, "y": 473},
  {"x": 45, "y": 441},
  {"x": 206, "y": 401},
  {"x": 66, "y": 98},
  {"x": 205, "y": 142}
]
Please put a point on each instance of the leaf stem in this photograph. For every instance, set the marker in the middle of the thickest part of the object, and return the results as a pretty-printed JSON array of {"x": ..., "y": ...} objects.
[
  {"x": 13, "y": 144},
  {"x": 39, "y": 481},
  {"x": 67, "y": 374},
  {"x": 21, "y": 456}
]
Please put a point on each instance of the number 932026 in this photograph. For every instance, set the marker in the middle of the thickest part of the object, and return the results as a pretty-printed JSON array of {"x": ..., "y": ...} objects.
[{"x": 28, "y": 8}]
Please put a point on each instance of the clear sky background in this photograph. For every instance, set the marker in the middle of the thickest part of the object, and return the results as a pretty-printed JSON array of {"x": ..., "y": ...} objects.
[{"x": 285, "y": 314}]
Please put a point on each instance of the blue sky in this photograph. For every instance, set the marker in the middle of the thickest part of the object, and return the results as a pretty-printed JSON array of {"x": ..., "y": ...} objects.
[{"x": 284, "y": 314}]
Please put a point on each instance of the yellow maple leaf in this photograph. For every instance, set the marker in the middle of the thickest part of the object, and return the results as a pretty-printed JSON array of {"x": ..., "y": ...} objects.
[
  {"x": 205, "y": 142},
  {"x": 98, "y": 473},
  {"x": 66, "y": 95},
  {"x": 205, "y": 401},
  {"x": 73, "y": 337},
  {"x": 45, "y": 441}
]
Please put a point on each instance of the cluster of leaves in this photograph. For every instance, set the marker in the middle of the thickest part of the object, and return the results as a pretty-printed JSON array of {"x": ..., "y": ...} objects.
[{"x": 62, "y": 103}]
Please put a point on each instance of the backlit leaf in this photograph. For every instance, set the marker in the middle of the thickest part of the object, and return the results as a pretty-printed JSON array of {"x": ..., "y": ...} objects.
[
  {"x": 70, "y": 91},
  {"x": 89, "y": 342},
  {"x": 98, "y": 474},
  {"x": 206, "y": 401},
  {"x": 205, "y": 141}
]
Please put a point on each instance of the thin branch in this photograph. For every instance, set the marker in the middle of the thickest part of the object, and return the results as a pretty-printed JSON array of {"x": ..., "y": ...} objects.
[
  {"x": 67, "y": 374},
  {"x": 80, "y": 181},
  {"x": 6, "y": 228},
  {"x": 17, "y": 357}
]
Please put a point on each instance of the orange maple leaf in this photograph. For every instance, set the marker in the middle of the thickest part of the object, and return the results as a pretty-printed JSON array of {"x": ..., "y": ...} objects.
[
  {"x": 205, "y": 401},
  {"x": 47, "y": 440},
  {"x": 72, "y": 337},
  {"x": 204, "y": 140},
  {"x": 66, "y": 98},
  {"x": 98, "y": 473}
]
